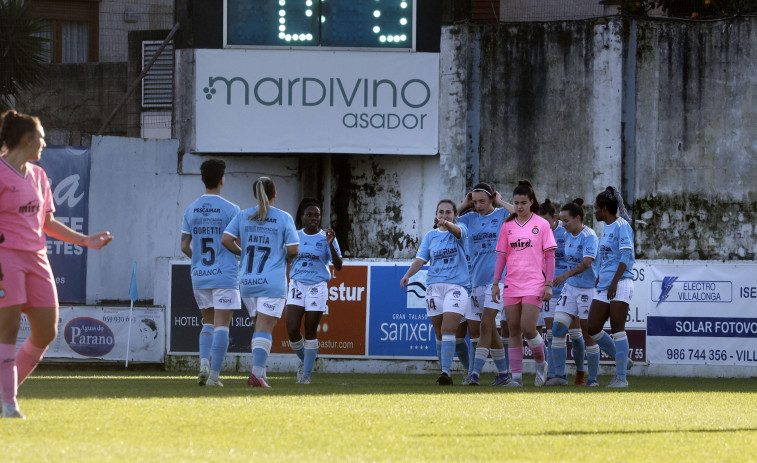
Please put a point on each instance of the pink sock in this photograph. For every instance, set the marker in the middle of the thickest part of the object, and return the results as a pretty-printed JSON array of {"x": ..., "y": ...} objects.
[
  {"x": 516, "y": 359},
  {"x": 8, "y": 385},
  {"x": 538, "y": 352},
  {"x": 27, "y": 359}
]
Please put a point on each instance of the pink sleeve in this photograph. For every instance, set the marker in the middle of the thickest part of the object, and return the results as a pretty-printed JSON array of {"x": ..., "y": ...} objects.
[
  {"x": 549, "y": 260},
  {"x": 502, "y": 244},
  {"x": 499, "y": 267},
  {"x": 47, "y": 193}
]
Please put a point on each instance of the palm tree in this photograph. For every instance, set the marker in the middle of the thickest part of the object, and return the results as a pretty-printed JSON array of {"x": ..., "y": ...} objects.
[{"x": 22, "y": 50}]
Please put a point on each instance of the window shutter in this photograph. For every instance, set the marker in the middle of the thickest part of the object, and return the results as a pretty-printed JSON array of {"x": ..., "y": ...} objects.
[{"x": 157, "y": 85}]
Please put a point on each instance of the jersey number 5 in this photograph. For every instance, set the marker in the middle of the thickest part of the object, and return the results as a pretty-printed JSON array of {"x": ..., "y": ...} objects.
[{"x": 207, "y": 247}]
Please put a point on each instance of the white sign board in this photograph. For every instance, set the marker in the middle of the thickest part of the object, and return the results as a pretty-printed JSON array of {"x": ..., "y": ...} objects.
[
  {"x": 316, "y": 101},
  {"x": 702, "y": 314}
]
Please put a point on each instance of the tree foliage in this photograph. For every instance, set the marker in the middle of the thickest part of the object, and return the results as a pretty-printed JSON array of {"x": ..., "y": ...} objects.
[
  {"x": 22, "y": 49},
  {"x": 695, "y": 9}
]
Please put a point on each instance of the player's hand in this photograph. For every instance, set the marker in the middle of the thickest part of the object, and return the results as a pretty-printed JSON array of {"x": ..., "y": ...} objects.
[
  {"x": 98, "y": 240},
  {"x": 612, "y": 290},
  {"x": 495, "y": 293},
  {"x": 468, "y": 200},
  {"x": 560, "y": 279},
  {"x": 404, "y": 281},
  {"x": 547, "y": 294},
  {"x": 330, "y": 235},
  {"x": 442, "y": 222}
]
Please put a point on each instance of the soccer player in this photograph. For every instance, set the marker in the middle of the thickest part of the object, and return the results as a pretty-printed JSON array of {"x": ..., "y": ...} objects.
[
  {"x": 446, "y": 294},
  {"x": 577, "y": 293},
  {"x": 268, "y": 240},
  {"x": 483, "y": 224},
  {"x": 547, "y": 212},
  {"x": 215, "y": 271},
  {"x": 615, "y": 281},
  {"x": 308, "y": 288},
  {"x": 526, "y": 246},
  {"x": 26, "y": 279}
]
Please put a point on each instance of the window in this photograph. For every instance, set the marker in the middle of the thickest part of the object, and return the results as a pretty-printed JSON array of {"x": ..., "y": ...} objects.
[
  {"x": 73, "y": 29},
  {"x": 326, "y": 23}
]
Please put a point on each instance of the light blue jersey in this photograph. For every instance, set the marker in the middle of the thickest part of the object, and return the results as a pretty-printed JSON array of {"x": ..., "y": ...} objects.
[
  {"x": 264, "y": 265},
  {"x": 482, "y": 241},
  {"x": 311, "y": 265},
  {"x": 576, "y": 248},
  {"x": 446, "y": 257},
  {"x": 616, "y": 236},
  {"x": 213, "y": 266},
  {"x": 561, "y": 264}
]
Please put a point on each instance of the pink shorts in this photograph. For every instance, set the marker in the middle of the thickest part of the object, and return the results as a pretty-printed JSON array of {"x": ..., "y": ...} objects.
[
  {"x": 26, "y": 279},
  {"x": 531, "y": 300}
]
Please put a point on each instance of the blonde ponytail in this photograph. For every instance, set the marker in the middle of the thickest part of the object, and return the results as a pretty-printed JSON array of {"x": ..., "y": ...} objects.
[{"x": 264, "y": 191}]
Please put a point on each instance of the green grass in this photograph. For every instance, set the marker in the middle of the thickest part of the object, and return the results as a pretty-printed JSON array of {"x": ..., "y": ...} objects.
[{"x": 149, "y": 416}]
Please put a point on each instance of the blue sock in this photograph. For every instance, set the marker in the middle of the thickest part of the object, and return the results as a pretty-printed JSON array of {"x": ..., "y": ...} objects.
[
  {"x": 472, "y": 354},
  {"x": 480, "y": 360},
  {"x": 621, "y": 354},
  {"x": 448, "y": 351},
  {"x": 559, "y": 354},
  {"x": 592, "y": 357},
  {"x": 206, "y": 341},
  {"x": 548, "y": 352},
  {"x": 506, "y": 344},
  {"x": 578, "y": 348},
  {"x": 605, "y": 343},
  {"x": 261, "y": 346},
  {"x": 298, "y": 348},
  {"x": 498, "y": 355},
  {"x": 439, "y": 350},
  {"x": 461, "y": 350},
  {"x": 311, "y": 352},
  {"x": 219, "y": 348}
]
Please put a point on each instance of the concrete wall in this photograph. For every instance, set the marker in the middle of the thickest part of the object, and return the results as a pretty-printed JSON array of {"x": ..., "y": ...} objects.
[
  {"x": 148, "y": 15},
  {"x": 139, "y": 192},
  {"x": 696, "y": 140}
]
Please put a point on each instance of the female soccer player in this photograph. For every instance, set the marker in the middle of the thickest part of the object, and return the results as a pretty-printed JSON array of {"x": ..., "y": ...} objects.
[
  {"x": 268, "y": 240},
  {"x": 615, "y": 281},
  {"x": 527, "y": 247},
  {"x": 26, "y": 279},
  {"x": 448, "y": 277},
  {"x": 548, "y": 213},
  {"x": 308, "y": 289},
  {"x": 215, "y": 272},
  {"x": 483, "y": 224},
  {"x": 577, "y": 293}
]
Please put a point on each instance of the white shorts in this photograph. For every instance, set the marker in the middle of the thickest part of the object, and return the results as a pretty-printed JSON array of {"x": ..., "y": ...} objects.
[
  {"x": 481, "y": 298},
  {"x": 271, "y": 306},
  {"x": 575, "y": 301},
  {"x": 445, "y": 297},
  {"x": 623, "y": 294},
  {"x": 547, "y": 310},
  {"x": 311, "y": 297},
  {"x": 219, "y": 299}
]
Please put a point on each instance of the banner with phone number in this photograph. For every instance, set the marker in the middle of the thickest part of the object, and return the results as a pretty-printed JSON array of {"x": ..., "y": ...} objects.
[{"x": 703, "y": 314}]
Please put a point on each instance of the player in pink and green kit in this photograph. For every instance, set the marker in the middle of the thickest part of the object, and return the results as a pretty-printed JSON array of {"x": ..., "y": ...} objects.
[
  {"x": 26, "y": 279},
  {"x": 526, "y": 246}
]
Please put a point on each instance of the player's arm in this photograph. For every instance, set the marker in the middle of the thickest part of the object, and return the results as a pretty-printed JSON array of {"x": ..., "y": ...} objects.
[
  {"x": 292, "y": 251},
  {"x": 414, "y": 267},
  {"x": 499, "y": 202},
  {"x": 62, "y": 232},
  {"x": 186, "y": 244},
  {"x": 577, "y": 270},
  {"x": 336, "y": 259},
  {"x": 452, "y": 227},
  {"x": 467, "y": 202},
  {"x": 231, "y": 243}
]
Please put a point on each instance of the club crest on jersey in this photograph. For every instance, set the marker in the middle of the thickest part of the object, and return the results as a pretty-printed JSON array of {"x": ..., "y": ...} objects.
[
  {"x": 456, "y": 293},
  {"x": 314, "y": 291},
  {"x": 535, "y": 230}
]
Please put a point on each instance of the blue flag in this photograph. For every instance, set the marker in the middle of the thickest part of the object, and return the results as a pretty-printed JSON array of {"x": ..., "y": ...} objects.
[{"x": 133, "y": 288}]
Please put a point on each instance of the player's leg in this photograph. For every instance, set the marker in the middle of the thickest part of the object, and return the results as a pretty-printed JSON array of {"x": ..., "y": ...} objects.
[
  {"x": 488, "y": 319},
  {"x": 578, "y": 348},
  {"x": 513, "y": 311},
  {"x": 548, "y": 316},
  {"x": 563, "y": 319},
  {"x": 10, "y": 319},
  {"x": 204, "y": 299},
  {"x": 295, "y": 311},
  {"x": 461, "y": 345},
  {"x": 450, "y": 322},
  {"x": 618, "y": 314},
  {"x": 226, "y": 301},
  {"x": 268, "y": 311},
  {"x": 312, "y": 320},
  {"x": 529, "y": 318}
]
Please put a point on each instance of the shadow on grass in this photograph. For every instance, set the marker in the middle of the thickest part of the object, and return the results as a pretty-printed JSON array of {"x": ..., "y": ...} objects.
[
  {"x": 587, "y": 433},
  {"x": 142, "y": 384}
]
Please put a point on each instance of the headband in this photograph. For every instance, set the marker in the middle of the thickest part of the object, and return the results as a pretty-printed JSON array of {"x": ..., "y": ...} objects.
[{"x": 481, "y": 189}]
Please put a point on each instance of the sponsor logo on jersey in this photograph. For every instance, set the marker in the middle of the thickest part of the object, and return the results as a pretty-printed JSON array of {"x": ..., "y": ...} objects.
[
  {"x": 269, "y": 306},
  {"x": 29, "y": 209},
  {"x": 225, "y": 300},
  {"x": 206, "y": 209},
  {"x": 521, "y": 244}
]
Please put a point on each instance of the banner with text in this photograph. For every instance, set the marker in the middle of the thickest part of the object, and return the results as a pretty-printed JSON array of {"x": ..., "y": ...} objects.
[
  {"x": 702, "y": 313},
  {"x": 67, "y": 168},
  {"x": 316, "y": 101},
  {"x": 86, "y": 332}
]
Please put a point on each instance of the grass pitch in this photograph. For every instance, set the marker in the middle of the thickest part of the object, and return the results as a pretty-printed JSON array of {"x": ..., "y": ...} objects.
[{"x": 148, "y": 416}]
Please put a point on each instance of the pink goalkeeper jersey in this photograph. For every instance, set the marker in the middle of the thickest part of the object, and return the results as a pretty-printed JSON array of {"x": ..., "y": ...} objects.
[
  {"x": 24, "y": 203},
  {"x": 525, "y": 244}
]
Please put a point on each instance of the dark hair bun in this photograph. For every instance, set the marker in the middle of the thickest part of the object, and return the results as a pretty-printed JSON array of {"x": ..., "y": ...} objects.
[
  {"x": 525, "y": 183},
  {"x": 579, "y": 201},
  {"x": 547, "y": 202}
]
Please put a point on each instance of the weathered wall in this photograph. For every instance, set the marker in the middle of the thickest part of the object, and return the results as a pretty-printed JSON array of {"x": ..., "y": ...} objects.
[
  {"x": 75, "y": 99},
  {"x": 696, "y": 140}
]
